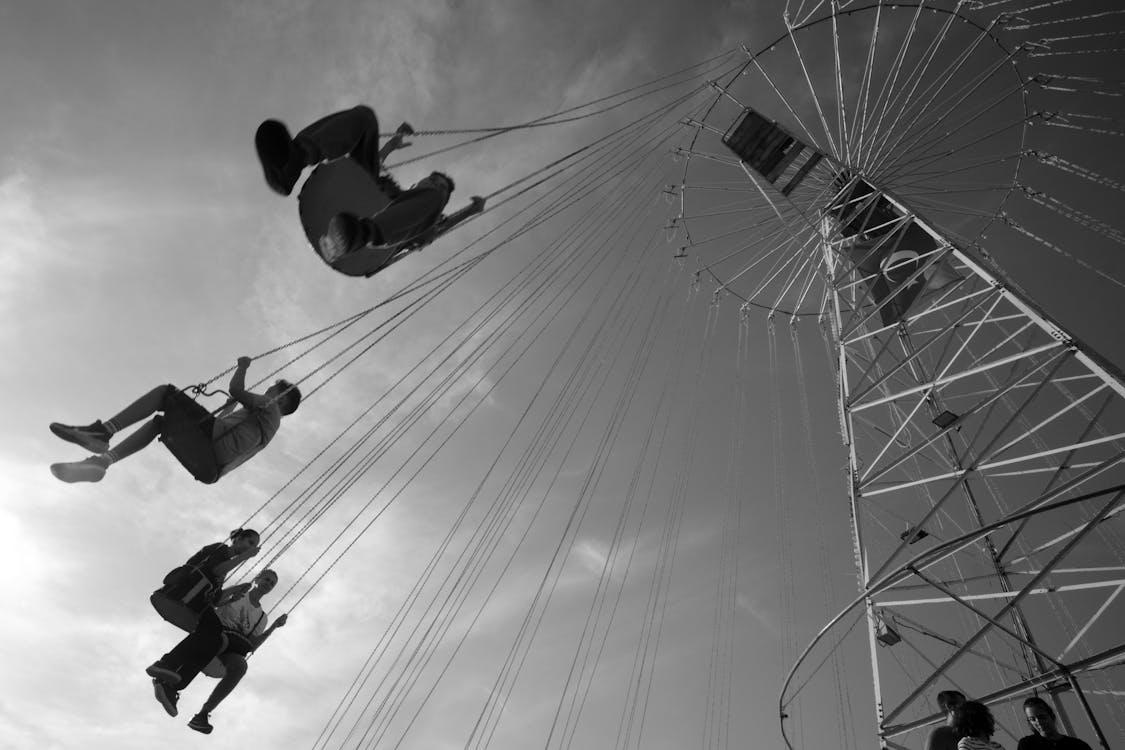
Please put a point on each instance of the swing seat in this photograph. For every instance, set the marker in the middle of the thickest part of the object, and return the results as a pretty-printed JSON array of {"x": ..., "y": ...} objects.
[
  {"x": 186, "y": 433},
  {"x": 186, "y": 591},
  {"x": 342, "y": 186}
]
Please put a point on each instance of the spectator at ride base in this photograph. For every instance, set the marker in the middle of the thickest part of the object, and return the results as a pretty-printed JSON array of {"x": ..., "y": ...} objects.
[
  {"x": 944, "y": 737},
  {"x": 1045, "y": 734},
  {"x": 973, "y": 723}
]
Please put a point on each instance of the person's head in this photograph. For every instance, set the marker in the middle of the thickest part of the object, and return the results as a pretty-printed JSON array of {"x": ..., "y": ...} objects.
[
  {"x": 288, "y": 396},
  {"x": 973, "y": 719},
  {"x": 264, "y": 582},
  {"x": 439, "y": 180},
  {"x": 948, "y": 701},
  {"x": 1040, "y": 716},
  {"x": 243, "y": 539}
]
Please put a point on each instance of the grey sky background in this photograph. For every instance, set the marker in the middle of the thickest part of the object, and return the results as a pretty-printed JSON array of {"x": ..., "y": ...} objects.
[{"x": 140, "y": 246}]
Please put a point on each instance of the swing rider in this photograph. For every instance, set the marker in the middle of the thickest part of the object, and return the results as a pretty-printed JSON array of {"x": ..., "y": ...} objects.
[
  {"x": 229, "y": 631},
  {"x": 209, "y": 446},
  {"x": 412, "y": 219}
]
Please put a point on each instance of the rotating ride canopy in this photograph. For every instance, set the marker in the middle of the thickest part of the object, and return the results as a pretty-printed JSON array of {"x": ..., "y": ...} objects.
[{"x": 863, "y": 171}]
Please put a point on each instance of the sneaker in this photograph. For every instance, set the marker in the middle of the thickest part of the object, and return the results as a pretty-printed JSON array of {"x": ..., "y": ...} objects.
[
  {"x": 346, "y": 233},
  {"x": 94, "y": 437},
  {"x": 200, "y": 724},
  {"x": 158, "y": 672},
  {"x": 90, "y": 470},
  {"x": 167, "y": 696},
  {"x": 280, "y": 157}
]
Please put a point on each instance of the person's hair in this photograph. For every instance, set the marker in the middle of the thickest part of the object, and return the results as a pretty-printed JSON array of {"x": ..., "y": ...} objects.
[
  {"x": 269, "y": 572},
  {"x": 973, "y": 719},
  {"x": 289, "y": 398},
  {"x": 1036, "y": 702},
  {"x": 948, "y": 700},
  {"x": 243, "y": 533},
  {"x": 389, "y": 186},
  {"x": 445, "y": 177}
]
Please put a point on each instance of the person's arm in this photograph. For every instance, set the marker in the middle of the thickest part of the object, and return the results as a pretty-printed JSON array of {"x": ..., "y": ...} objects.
[
  {"x": 237, "y": 385},
  {"x": 396, "y": 141},
  {"x": 224, "y": 567},
  {"x": 258, "y": 640}
]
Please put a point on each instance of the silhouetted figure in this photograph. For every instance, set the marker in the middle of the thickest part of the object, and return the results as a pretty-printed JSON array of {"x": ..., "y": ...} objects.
[
  {"x": 974, "y": 724},
  {"x": 1045, "y": 733},
  {"x": 944, "y": 737}
]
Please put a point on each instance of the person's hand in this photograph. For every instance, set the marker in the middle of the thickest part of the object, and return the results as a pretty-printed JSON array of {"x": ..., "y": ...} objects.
[
  {"x": 280, "y": 622},
  {"x": 398, "y": 139},
  {"x": 477, "y": 203},
  {"x": 244, "y": 362}
]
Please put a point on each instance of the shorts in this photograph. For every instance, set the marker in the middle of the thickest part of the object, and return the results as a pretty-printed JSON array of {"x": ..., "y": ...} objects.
[{"x": 186, "y": 430}]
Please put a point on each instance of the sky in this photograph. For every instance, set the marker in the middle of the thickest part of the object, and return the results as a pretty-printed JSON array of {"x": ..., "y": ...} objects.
[{"x": 141, "y": 247}]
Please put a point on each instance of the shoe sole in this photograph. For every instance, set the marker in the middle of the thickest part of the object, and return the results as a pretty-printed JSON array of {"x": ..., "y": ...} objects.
[
  {"x": 163, "y": 699},
  {"x": 167, "y": 676},
  {"x": 79, "y": 472},
  {"x": 200, "y": 729},
  {"x": 272, "y": 143},
  {"x": 70, "y": 435}
]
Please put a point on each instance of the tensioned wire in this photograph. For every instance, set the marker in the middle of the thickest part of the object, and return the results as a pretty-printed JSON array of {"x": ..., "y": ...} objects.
[
  {"x": 548, "y": 120},
  {"x": 506, "y": 679},
  {"x": 575, "y": 714},
  {"x": 846, "y": 730},
  {"x": 458, "y": 563},
  {"x": 649, "y": 646},
  {"x": 306, "y": 593},
  {"x": 579, "y": 189},
  {"x": 591, "y": 625},
  {"x": 544, "y": 215},
  {"x": 576, "y": 156}
]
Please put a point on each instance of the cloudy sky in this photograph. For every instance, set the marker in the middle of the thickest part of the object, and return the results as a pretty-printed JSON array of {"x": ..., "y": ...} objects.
[{"x": 140, "y": 246}]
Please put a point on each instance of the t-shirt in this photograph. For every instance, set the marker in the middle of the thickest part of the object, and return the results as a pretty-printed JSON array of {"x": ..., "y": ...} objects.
[
  {"x": 242, "y": 616},
  {"x": 942, "y": 738},
  {"x": 972, "y": 743},
  {"x": 1062, "y": 742},
  {"x": 241, "y": 433}
]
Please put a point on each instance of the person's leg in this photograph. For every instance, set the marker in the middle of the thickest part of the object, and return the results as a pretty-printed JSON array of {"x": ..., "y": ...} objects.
[
  {"x": 94, "y": 468},
  {"x": 235, "y": 665},
  {"x": 142, "y": 408},
  {"x": 353, "y": 132},
  {"x": 95, "y": 437},
  {"x": 192, "y": 653}
]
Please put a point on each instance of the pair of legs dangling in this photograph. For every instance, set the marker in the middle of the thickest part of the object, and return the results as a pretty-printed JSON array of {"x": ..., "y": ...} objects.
[
  {"x": 353, "y": 133},
  {"x": 96, "y": 437},
  {"x": 175, "y": 670}
]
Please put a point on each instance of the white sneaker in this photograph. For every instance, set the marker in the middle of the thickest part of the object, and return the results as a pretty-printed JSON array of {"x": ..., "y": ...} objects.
[{"x": 90, "y": 470}]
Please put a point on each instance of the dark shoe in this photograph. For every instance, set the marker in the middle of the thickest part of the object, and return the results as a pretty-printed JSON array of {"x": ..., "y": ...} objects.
[
  {"x": 281, "y": 159},
  {"x": 90, "y": 470},
  {"x": 167, "y": 696},
  {"x": 94, "y": 437},
  {"x": 200, "y": 724},
  {"x": 346, "y": 233},
  {"x": 158, "y": 672}
]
